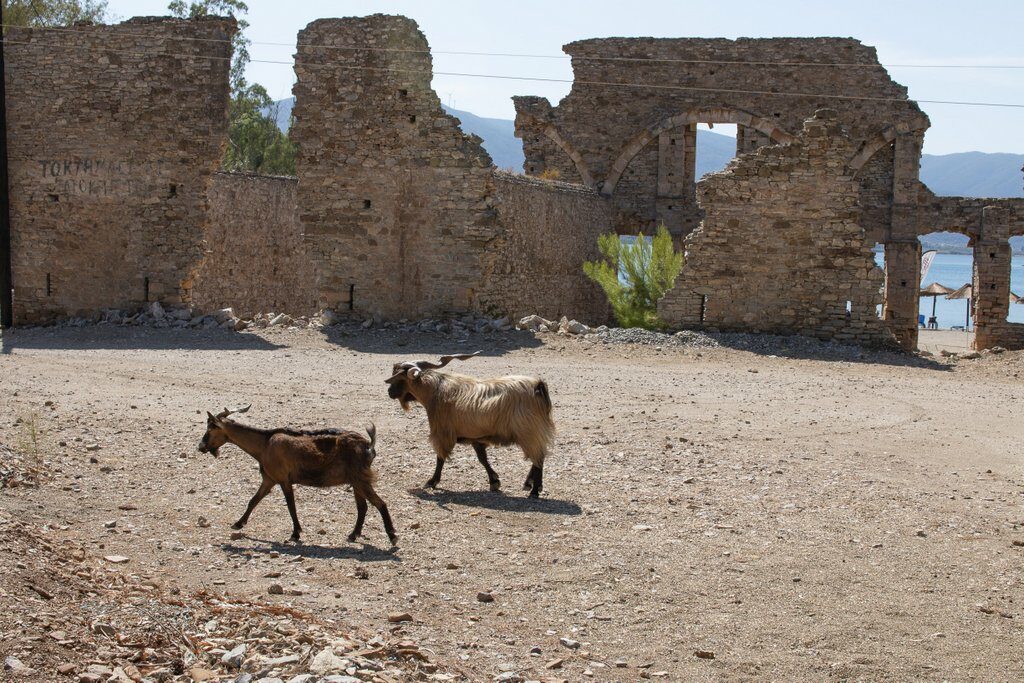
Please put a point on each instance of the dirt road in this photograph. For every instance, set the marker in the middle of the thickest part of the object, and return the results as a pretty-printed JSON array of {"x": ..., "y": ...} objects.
[{"x": 788, "y": 518}]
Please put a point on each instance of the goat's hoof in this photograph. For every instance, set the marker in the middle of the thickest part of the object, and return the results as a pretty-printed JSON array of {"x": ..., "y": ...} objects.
[
  {"x": 393, "y": 539},
  {"x": 352, "y": 537},
  {"x": 430, "y": 484},
  {"x": 534, "y": 494},
  {"x": 528, "y": 485},
  {"x": 237, "y": 525},
  {"x": 495, "y": 485},
  {"x": 295, "y": 539}
]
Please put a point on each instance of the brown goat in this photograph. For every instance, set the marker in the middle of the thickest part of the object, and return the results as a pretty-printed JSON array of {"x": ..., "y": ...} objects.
[
  {"x": 322, "y": 458},
  {"x": 495, "y": 412}
]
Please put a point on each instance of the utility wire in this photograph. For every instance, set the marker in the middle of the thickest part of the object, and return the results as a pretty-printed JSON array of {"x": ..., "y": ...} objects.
[
  {"x": 539, "y": 79},
  {"x": 465, "y": 53}
]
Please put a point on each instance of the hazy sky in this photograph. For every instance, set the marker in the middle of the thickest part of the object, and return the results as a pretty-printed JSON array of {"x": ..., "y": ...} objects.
[{"x": 915, "y": 32}]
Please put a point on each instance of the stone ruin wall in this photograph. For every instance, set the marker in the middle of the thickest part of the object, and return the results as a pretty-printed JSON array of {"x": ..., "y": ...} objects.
[
  {"x": 989, "y": 224},
  {"x": 112, "y": 143},
  {"x": 396, "y": 202},
  {"x": 535, "y": 267},
  {"x": 404, "y": 215},
  {"x": 781, "y": 211},
  {"x": 637, "y": 145},
  {"x": 256, "y": 260},
  {"x": 116, "y": 202}
]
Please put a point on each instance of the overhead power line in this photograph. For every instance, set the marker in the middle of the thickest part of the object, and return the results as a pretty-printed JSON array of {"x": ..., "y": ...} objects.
[
  {"x": 518, "y": 55},
  {"x": 541, "y": 79}
]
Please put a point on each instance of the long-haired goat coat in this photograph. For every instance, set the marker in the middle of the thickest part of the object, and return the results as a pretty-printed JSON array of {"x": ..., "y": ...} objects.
[{"x": 495, "y": 412}]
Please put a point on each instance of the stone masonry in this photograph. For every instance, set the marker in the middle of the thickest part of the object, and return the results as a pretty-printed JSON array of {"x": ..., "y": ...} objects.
[
  {"x": 780, "y": 249},
  {"x": 637, "y": 144},
  {"x": 402, "y": 212},
  {"x": 255, "y": 259},
  {"x": 114, "y": 132},
  {"x": 396, "y": 202},
  {"x": 535, "y": 267},
  {"x": 988, "y": 224}
]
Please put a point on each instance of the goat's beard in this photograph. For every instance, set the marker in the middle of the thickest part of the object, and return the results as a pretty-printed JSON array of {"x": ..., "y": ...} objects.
[{"x": 407, "y": 400}]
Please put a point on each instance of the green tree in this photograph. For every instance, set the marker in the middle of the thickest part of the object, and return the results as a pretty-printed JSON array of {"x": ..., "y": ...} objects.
[
  {"x": 255, "y": 143},
  {"x": 52, "y": 12},
  {"x": 634, "y": 275}
]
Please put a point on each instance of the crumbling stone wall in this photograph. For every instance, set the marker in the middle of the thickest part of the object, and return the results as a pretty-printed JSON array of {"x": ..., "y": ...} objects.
[
  {"x": 780, "y": 249},
  {"x": 632, "y": 140},
  {"x": 989, "y": 224},
  {"x": 396, "y": 201},
  {"x": 536, "y": 266},
  {"x": 256, "y": 260},
  {"x": 113, "y": 134},
  {"x": 404, "y": 215}
]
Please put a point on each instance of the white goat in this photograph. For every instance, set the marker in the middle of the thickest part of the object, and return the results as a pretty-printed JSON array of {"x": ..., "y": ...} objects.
[{"x": 495, "y": 412}]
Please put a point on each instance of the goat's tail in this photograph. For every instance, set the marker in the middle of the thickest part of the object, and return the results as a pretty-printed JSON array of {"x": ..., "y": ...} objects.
[
  {"x": 372, "y": 431},
  {"x": 541, "y": 392}
]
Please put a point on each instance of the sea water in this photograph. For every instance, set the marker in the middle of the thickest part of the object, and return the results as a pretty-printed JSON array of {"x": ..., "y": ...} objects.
[{"x": 954, "y": 271}]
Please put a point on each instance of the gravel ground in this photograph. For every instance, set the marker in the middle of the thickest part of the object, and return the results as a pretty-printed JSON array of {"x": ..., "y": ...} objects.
[{"x": 717, "y": 506}]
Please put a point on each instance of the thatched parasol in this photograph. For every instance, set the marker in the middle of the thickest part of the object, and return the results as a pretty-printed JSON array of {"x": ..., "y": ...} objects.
[
  {"x": 965, "y": 292},
  {"x": 1014, "y": 299},
  {"x": 935, "y": 290}
]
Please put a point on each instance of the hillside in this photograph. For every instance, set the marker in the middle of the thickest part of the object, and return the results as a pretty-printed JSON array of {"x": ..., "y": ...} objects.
[{"x": 973, "y": 174}]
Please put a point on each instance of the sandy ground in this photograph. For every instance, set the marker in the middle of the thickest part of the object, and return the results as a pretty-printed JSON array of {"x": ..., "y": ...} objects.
[
  {"x": 799, "y": 518},
  {"x": 935, "y": 341}
]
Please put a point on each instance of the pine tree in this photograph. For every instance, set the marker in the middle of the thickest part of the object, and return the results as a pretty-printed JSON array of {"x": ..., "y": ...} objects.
[
  {"x": 52, "y": 12},
  {"x": 634, "y": 275},
  {"x": 255, "y": 143}
]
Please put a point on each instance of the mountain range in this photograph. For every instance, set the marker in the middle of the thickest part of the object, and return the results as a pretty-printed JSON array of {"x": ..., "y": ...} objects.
[{"x": 964, "y": 174}]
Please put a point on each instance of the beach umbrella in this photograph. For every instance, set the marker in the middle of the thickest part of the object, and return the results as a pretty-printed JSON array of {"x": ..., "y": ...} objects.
[
  {"x": 965, "y": 292},
  {"x": 935, "y": 290},
  {"x": 1014, "y": 299}
]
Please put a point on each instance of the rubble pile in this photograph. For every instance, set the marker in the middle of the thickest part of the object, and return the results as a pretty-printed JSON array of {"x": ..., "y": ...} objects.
[
  {"x": 616, "y": 335},
  {"x": 65, "y": 615},
  {"x": 157, "y": 316}
]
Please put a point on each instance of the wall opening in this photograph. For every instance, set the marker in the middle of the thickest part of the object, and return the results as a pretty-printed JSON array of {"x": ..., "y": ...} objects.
[
  {"x": 1016, "y": 312},
  {"x": 145, "y": 289},
  {"x": 879, "y": 251},
  {"x": 952, "y": 267},
  {"x": 716, "y": 147}
]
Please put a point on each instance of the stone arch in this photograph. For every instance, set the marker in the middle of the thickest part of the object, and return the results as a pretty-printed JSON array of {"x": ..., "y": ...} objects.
[
  {"x": 703, "y": 115},
  {"x": 551, "y": 132},
  {"x": 884, "y": 138},
  {"x": 958, "y": 227}
]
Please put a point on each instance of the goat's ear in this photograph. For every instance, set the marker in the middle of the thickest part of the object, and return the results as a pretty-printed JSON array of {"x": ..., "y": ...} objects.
[
  {"x": 210, "y": 416},
  {"x": 394, "y": 377}
]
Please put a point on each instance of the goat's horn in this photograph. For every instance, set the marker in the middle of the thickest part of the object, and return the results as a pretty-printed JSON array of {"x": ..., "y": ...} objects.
[
  {"x": 229, "y": 411},
  {"x": 445, "y": 360}
]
